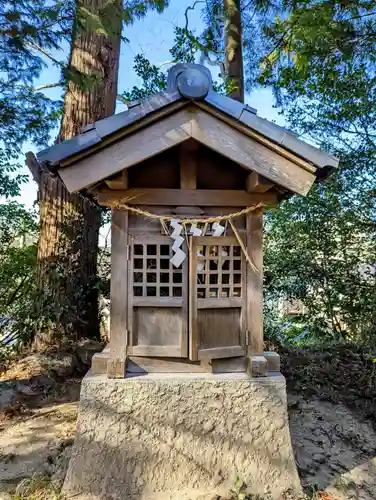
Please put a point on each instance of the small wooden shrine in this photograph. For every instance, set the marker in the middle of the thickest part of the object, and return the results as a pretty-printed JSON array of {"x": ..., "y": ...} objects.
[{"x": 187, "y": 173}]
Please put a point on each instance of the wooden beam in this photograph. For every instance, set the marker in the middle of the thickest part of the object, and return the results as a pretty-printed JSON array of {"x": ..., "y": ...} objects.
[
  {"x": 132, "y": 149},
  {"x": 255, "y": 322},
  {"x": 33, "y": 165},
  {"x": 255, "y": 183},
  {"x": 221, "y": 352},
  {"x": 119, "y": 292},
  {"x": 119, "y": 181},
  {"x": 258, "y": 137},
  {"x": 188, "y": 164},
  {"x": 187, "y": 197},
  {"x": 250, "y": 154}
]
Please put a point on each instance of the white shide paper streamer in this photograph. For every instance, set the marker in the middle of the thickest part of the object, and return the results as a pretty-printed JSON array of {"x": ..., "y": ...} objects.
[{"x": 179, "y": 256}]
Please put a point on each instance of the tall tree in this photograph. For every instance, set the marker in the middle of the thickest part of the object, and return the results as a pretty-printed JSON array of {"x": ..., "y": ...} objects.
[
  {"x": 234, "y": 39},
  {"x": 68, "y": 240},
  {"x": 29, "y": 31},
  {"x": 67, "y": 249},
  {"x": 234, "y": 49}
]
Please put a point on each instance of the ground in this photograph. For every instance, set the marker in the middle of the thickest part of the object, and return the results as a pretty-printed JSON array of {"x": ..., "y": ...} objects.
[{"x": 333, "y": 436}]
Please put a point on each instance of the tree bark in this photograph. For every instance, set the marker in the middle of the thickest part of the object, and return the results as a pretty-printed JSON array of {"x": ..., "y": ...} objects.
[
  {"x": 234, "y": 49},
  {"x": 68, "y": 240}
]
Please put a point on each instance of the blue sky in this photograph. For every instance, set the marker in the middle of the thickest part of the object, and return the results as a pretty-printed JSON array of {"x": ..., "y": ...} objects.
[{"x": 153, "y": 36}]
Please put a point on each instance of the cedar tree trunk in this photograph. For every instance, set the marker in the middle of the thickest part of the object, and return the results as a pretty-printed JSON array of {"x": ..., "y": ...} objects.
[
  {"x": 233, "y": 49},
  {"x": 68, "y": 241}
]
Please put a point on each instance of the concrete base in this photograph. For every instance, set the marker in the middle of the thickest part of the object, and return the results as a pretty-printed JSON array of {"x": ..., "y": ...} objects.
[{"x": 181, "y": 436}]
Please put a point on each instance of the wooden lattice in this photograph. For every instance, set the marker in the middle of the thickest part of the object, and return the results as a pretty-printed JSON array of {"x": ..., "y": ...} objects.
[
  {"x": 153, "y": 274},
  {"x": 219, "y": 271}
]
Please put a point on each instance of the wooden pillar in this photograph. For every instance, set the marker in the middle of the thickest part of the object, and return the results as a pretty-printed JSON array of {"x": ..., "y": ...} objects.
[
  {"x": 188, "y": 164},
  {"x": 255, "y": 323},
  {"x": 116, "y": 366}
]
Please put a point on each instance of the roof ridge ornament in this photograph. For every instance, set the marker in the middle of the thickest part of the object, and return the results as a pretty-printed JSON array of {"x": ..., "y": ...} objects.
[{"x": 193, "y": 81}]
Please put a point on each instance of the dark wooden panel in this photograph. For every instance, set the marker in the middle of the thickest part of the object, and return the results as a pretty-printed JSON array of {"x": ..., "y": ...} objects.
[
  {"x": 221, "y": 352},
  {"x": 161, "y": 171},
  {"x": 217, "y": 298},
  {"x": 219, "y": 327},
  {"x": 157, "y": 299},
  {"x": 141, "y": 364},
  {"x": 256, "y": 183},
  {"x": 217, "y": 172},
  {"x": 157, "y": 326},
  {"x": 150, "y": 228}
]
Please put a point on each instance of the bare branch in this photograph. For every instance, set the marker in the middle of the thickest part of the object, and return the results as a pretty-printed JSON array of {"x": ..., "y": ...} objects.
[
  {"x": 44, "y": 52},
  {"x": 190, "y": 7},
  {"x": 166, "y": 63},
  {"x": 48, "y": 86},
  {"x": 217, "y": 62},
  {"x": 120, "y": 98}
]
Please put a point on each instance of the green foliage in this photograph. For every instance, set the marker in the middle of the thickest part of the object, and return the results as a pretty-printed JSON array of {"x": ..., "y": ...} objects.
[
  {"x": 28, "y": 29},
  {"x": 321, "y": 38},
  {"x": 136, "y": 9},
  {"x": 18, "y": 232},
  {"x": 31, "y": 33},
  {"x": 153, "y": 79},
  {"x": 322, "y": 253},
  {"x": 240, "y": 491},
  {"x": 321, "y": 249}
]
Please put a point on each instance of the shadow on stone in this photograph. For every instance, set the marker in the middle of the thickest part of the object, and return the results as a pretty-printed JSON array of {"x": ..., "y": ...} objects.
[{"x": 176, "y": 436}]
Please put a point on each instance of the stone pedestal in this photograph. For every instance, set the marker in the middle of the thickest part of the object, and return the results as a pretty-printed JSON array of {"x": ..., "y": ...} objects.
[{"x": 181, "y": 436}]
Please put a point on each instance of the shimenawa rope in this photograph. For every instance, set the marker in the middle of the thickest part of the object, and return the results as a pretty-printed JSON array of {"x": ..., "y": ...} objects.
[{"x": 186, "y": 220}]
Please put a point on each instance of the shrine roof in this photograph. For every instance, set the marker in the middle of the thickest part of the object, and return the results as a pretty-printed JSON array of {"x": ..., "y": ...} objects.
[{"x": 187, "y": 83}]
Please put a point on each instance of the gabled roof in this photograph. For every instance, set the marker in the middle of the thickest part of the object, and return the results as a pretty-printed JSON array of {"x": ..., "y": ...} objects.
[{"x": 186, "y": 82}]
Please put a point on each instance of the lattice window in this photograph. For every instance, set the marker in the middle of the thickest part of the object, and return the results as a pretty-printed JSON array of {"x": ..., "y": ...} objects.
[
  {"x": 153, "y": 274},
  {"x": 219, "y": 271}
]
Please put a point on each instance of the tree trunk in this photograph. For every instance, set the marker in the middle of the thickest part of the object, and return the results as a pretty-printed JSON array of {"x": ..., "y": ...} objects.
[
  {"x": 68, "y": 241},
  {"x": 233, "y": 49}
]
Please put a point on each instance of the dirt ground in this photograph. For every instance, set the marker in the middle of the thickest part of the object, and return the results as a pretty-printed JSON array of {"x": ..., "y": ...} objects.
[
  {"x": 334, "y": 445},
  {"x": 335, "y": 449}
]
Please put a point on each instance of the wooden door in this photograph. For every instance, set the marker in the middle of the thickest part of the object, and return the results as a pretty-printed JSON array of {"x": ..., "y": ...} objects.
[
  {"x": 157, "y": 311},
  {"x": 217, "y": 300}
]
